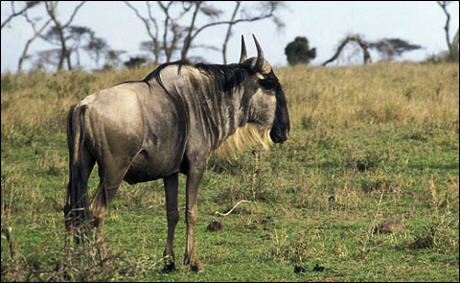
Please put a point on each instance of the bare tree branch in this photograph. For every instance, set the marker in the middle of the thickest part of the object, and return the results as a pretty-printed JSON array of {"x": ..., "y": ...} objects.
[
  {"x": 156, "y": 51},
  {"x": 229, "y": 30},
  {"x": 37, "y": 33},
  {"x": 248, "y": 18},
  {"x": 29, "y": 4},
  {"x": 232, "y": 22},
  {"x": 168, "y": 51},
  {"x": 189, "y": 37},
  {"x": 73, "y": 14},
  {"x": 356, "y": 38},
  {"x": 153, "y": 36}
]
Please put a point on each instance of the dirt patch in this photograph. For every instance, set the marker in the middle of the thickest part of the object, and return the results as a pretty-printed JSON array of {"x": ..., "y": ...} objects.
[
  {"x": 215, "y": 225},
  {"x": 390, "y": 226}
]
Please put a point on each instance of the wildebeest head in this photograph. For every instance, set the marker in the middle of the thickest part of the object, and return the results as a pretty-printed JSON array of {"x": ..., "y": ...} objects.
[{"x": 268, "y": 106}]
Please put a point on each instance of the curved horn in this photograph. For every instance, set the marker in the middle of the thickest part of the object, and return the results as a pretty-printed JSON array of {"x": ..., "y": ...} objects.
[
  {"x": 243, "y": 50},
  {"x": 260, "y": 55}
]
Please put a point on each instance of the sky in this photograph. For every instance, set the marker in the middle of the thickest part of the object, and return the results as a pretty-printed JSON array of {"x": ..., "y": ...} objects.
[{"x": 325, "y": 24}]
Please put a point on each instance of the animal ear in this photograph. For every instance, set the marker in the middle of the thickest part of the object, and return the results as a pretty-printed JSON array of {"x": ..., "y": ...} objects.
[
  {"x": 260, "y": 56},
  {"x": 243, "y": 50}
]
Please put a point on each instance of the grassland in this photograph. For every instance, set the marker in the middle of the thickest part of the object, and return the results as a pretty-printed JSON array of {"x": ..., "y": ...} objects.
[{"x": 367, "y": 144}]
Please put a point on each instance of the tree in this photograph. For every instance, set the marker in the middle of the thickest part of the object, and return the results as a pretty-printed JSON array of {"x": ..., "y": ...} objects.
[
  {"x": 96, "y": 48},
  {"x": 135, "y": 62},
  {"x": 391, "y": 47},
  {"x": 172, "y": 32},
  {"x": 171, "y": 24},
  {"x": 178, "y": 27},
  {"x": 59, "y": 32},
  {"x": 299, "y": 52},
  {"x": 79, "y": 37},
  {"x": 36, "y": 24},
  {"x": 37, "y": 32},
  {"x": 46, "y": 58},
  {"x": 266, "y": 10},
  {"x": 388, "y": 47},
  {"x": 153, "y": 46},
  {"x": 452, "y": 45},
  {"x": 364, "y": 45},
  {"x": 112, "y": 58}
]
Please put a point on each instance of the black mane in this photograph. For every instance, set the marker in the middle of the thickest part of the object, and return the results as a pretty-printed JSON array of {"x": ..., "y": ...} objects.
[{"x": 226, "y": 77}]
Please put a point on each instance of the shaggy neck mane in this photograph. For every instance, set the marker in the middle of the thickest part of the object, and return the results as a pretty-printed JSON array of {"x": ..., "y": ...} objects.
[{"x": 225, "y": 79}]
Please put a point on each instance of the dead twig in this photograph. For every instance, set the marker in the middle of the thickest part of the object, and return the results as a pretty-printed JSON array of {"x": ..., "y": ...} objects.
[{"x": 230, "y": 211}]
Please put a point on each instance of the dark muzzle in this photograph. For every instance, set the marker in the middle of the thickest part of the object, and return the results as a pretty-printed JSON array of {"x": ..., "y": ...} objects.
[
  {"x": 279, "y": 135},
  {"x": 280, "y": 128}
]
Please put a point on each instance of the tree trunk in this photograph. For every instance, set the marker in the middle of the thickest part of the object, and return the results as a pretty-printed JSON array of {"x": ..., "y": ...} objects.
[{"x": 63, "y": 56}]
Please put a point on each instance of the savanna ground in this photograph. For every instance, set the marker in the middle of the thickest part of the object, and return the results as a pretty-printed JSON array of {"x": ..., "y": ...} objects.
[{"x": 368, "y": 144}]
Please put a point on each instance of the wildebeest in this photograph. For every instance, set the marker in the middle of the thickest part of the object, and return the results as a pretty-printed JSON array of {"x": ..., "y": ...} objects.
[{"x": 168, "y": 123}]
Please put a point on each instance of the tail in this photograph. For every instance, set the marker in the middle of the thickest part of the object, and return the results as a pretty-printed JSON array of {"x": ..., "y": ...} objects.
[{"x": 76, "y": 209}]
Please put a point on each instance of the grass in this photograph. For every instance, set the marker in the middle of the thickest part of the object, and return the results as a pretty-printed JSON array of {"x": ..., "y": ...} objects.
[{"x": 367, "y": 144}]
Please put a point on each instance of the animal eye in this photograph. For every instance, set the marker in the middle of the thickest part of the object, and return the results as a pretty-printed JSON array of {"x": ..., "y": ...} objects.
[{"x": 268, "y": 83}]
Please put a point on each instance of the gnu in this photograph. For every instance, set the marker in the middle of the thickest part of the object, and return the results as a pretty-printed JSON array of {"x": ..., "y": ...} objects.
[{"x": 168, "y": 123}]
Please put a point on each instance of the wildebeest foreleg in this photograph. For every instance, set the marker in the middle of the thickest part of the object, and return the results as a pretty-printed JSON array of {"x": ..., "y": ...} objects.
[
  {"x": 172, "y": 213},
  {"x": 191, "y": 214}
]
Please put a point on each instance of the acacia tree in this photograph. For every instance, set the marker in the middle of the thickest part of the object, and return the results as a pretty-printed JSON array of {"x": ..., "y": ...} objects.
[
  {"x": 392, "y": 47},
  {"x": 59, "y": 32},
  {"x": 388, "y": 47},
  {"x": 96, "y": 47},
  {"x": 112, "y": 58},
  {"x": 81, "y": 38}
]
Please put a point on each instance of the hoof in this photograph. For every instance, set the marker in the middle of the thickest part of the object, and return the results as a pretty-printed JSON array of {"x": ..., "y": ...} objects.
[
  {"x": 169, "y": 267},
  {"x": 197, "y": 267},
  {"x": 106, "y": 263}
]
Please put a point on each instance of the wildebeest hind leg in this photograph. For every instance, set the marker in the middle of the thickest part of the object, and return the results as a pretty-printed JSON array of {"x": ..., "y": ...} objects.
[
  {"x": 99, "y": 207},
  {"x": 110, "y": 179}
]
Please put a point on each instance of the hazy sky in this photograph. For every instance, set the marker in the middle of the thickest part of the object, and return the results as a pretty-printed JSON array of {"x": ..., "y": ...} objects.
[{"x": 323, "y": 23}]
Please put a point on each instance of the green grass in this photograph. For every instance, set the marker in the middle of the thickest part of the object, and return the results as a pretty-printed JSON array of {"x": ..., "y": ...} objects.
[{"x": 367, "y": 144}]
